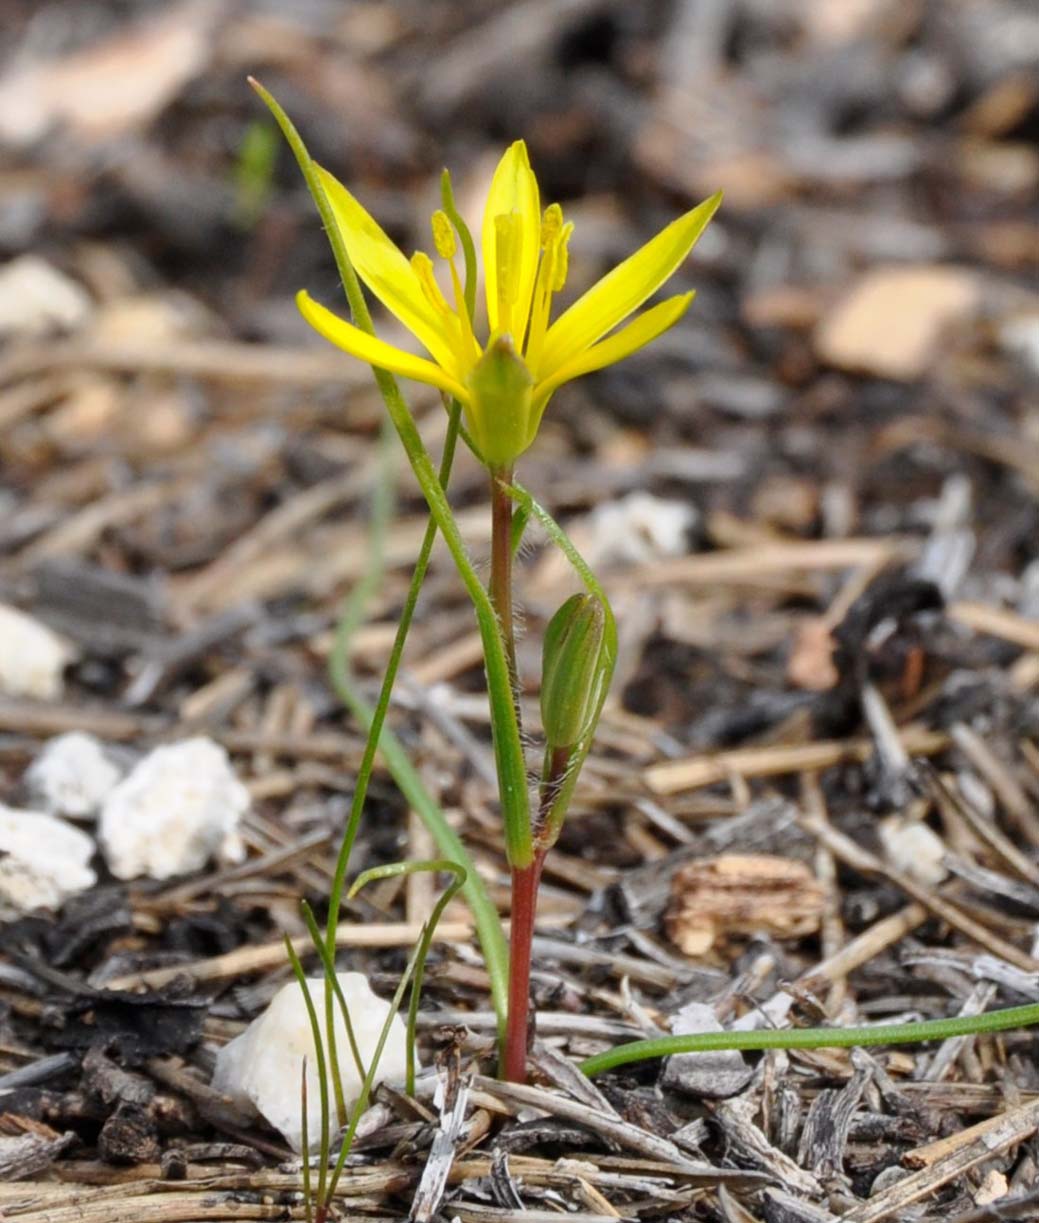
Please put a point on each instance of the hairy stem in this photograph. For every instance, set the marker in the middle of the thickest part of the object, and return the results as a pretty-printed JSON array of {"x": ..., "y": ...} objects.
[
  {"x": 554, "y": 774},
  {"x": 525, "y": 880}
]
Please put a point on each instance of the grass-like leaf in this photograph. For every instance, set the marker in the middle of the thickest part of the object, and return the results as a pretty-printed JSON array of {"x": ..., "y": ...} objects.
[
  {"x": 329, "y": 969},
  {"x": 304, "y": 1126},
  {"x": 815, "y": 1038},
  {"x": 393, "y": 871},
  {"x": 322, "y": 1078}
]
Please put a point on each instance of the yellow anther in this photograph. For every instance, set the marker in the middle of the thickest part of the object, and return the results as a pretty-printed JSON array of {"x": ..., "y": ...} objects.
[
  {"x": 423, "y": 267},
  {"x": 551, "y": 224},
  {"x": 444, "y": 235}
]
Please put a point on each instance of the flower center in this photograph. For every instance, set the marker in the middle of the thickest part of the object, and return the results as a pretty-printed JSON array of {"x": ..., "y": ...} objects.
[{"x": 553, "y": 264}]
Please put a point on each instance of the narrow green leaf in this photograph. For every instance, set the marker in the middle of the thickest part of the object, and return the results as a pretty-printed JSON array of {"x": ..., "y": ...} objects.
[
  {"x": 395, "y": 870},
  {"x": 332, "y": 982},
  {"x": 815, "y": 1038},
  {"x": 322, "y": 1073},
  {"x": 308, "y": 1203}
]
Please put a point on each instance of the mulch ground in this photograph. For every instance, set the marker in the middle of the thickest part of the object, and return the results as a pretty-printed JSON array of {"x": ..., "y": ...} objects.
[{"x": 828, "y": 601}]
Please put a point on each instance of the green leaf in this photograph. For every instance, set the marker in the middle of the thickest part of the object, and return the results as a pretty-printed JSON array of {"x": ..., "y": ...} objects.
[{"x": 815, "y": 1038}]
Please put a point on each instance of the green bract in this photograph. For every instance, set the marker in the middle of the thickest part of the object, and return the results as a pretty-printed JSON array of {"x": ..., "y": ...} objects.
[{"x": 575, "y": 669}]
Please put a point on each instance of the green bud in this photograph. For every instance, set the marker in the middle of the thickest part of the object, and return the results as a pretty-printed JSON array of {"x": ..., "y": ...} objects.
[
  {"x": 499, "y": 414},
  {"x": 576, "y": 667}
]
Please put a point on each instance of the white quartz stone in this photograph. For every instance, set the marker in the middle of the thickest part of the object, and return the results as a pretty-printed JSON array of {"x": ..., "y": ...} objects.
[
  {"x": 72, "y": 775},
  {"x": 913, "y": 848},
  {"x": 36, "y": 299},
  {"x": 44, "y": 860},
  {"x": 178, "y": 808},
  {"x": 1020, "y": 337},
  {"x": 262, "y": 1067},
  {"x": 640, "y": 528},
  {"x": 32, "y": 656}
]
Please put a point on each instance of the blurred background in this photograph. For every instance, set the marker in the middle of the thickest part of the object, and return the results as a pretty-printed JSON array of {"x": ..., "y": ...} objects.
[{"x": 861, "y": 360}]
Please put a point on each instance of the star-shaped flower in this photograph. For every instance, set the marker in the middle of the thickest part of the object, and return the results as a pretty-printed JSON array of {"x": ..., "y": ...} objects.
[{"x": 505, "y": 382}]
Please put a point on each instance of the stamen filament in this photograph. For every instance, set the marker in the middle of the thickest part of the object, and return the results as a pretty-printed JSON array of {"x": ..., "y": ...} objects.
[
  {"x": 432, "y": 291},
  {"x": 539, "y": 309},
  {"x": 468, "y": 338},
  {"x": 551, "y": 276},
  {"x": 446, "y": 245},
  {"x": 457, "y": 328}
]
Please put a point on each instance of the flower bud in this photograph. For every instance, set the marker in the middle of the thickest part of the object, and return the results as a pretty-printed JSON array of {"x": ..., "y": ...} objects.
[
  {"x": 499, "y": 414},
  {"x": 576, "y": 667}
]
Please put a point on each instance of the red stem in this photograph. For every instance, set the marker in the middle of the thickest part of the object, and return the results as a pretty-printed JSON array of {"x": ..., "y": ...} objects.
[
  {"x": 525, "y": 880},
  {"x": 519, "y": 1028}
]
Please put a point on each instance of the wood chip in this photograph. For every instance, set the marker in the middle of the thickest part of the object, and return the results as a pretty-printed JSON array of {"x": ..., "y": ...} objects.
[
  {"x": 891, "y": 321},
  {"x": 739, "y": 895}
]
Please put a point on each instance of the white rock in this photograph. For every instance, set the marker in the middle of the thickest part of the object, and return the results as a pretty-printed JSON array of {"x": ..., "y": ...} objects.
[
  {"x": 36, "y": 299},
  {"x": 32, "y": 656},
  {"x": 1020, "y": 337},
  {"x": 640, "y": 528},
  {"x": 262, "y": 1067},
  {"x": 44, "y": 861},
  {"x": 72, "y": 775},
  {"x": 178, "y": 808},
  {"x": 913, "y": 848}
]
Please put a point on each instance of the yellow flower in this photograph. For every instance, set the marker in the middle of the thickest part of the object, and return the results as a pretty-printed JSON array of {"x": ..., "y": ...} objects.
[{"x": 505, "y": 383}]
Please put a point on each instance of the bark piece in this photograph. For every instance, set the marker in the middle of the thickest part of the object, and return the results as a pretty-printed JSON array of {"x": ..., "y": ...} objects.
[
  {"x": 31, "y": 1151},
  {"x": 738, "y": 895}
]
